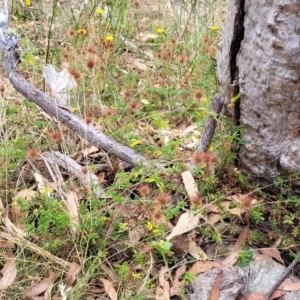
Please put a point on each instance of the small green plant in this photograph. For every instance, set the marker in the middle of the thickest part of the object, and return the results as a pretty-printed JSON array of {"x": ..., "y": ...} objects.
[
  {"x": 49, "y": 217},
  {"x": 289, "y": 219},
  {"x": 123, "y": 270},
  {"x": 163, "y": 247},
  {"x": 245, "y": 257},
  {"x": 257, "y": 213}
]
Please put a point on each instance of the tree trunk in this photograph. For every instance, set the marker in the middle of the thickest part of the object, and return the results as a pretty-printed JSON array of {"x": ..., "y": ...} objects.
[{"x": 260, "y": 59}]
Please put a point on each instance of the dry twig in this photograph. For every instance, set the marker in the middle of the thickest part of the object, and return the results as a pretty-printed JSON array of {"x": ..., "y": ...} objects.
[{"x": 281, "y": 279}]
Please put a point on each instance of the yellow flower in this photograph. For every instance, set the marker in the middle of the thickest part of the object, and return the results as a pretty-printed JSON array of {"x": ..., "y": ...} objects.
[
  {"x": 135, "y": 142},
  {"x": 30, "y": 60},
  {"x": 99, "y": 11},
  {"x": 150, "y": 226},
  {"x": 81, "y": 31},
  {"x": 160, "y": 30},
  {"x": 109, "y": 38},
  {"x": 214, "y": 27},
  {"x": 47, "y": 190},
  {"x": 136, "y": 275},
  {"x": 27, "y": 2}
]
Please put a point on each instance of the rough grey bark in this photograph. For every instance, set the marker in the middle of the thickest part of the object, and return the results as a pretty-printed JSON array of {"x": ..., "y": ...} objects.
[{"x": 265, "y": 69}]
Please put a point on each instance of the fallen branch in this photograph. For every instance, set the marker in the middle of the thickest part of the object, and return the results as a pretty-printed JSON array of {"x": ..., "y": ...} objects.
[
  {"x": 8, "y": 46},
  {"x": 64, "y": 161}
]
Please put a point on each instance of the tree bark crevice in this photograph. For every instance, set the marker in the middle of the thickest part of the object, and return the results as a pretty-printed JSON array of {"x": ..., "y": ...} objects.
[
  {"x": 228, "y": 71},
  {"x": 268, "y": 80}
]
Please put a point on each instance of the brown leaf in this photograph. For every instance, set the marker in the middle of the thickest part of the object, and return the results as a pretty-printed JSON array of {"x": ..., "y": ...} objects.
[
  {"x": 196, "y": 251},
  {"x": 181, "y": 125},
  {"x": 39, "y": 288},
  {"x": 286, "y": 286},
  {"x": 8, "y": 223},
  {"x": 276, "y": 294},
  {"x": 176, "y": 287},
  {"x": 272, "y": 252},
  {"x": 90, "y": 150},
  {"x": 19, "y": 217},
  {"x": 190, "y": 184},
  {"x": 259, "y": 258},
  {"x": 180, "y": 245},
  {"x": 236, "y": 211},
  {"x": 215, "y": 291},
  {"x": 72, "y": 204},
  {"x": 213, "y": 208},
  {"x": 9, "y": 271},
  {"x": 8, "y": 245},
  {"x": 203, "y": 266},
  {"x": 214, "y": 218},
  {"x": 11, "y": 227},
  {"x": 70, "y": 276},
  {"x": 289, "y": 286},
  {"x": 146, "y": 36},
  {"x": 186, "y": 223},
  {"x": 109, "y": 289},
  {"x": 110, "y": 273},
  {"x": 135, "y": 234},
  {"x": 163, "y": 292},
  {"x": 25, "y": 194},
  {"x": 241, "y": 239},
  {"x": 226, "y": 204},
  {"x": 256, "y": 296},
  {"x": 239, "y": 198},
  {"x": 231, "y": 259},
  {"x": 277, "y": 242}
]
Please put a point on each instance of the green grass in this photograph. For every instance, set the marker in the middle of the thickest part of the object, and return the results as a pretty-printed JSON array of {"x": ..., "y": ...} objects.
[{"x": 144, "y": 96}]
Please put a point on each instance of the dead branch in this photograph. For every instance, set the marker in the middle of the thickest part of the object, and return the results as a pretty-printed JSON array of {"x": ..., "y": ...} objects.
[
  {"x": 56, "y": 158},
  {"x": 8, "y": 46},
  {"x": 283, "y": 276},
  {"x": 210, "y": 126}
]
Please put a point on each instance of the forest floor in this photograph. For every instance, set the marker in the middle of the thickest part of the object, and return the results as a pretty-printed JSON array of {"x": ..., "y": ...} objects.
[{"x": 144, "y": 73}]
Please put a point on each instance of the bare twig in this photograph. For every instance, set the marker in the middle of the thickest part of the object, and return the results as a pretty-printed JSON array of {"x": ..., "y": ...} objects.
[
  {"x": 210, "y": 127},
  {"x": 64, "y": 161},
  {"x": 281, "y": 279}
]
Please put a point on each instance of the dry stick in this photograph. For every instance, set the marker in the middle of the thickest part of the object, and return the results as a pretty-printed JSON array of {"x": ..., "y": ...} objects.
[
  {"x": 57, "y": 158},
  {"x": 210, "y": 127},
  {"x": 281, "y": 279},
  {"x": 8, "y": 46}
]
